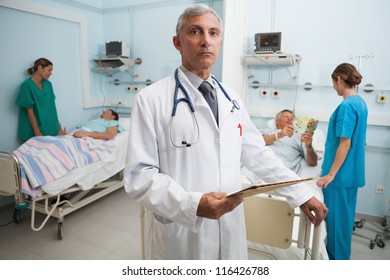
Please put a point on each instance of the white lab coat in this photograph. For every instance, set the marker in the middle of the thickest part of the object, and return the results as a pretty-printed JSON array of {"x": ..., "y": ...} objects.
[{"x": 169, "y": 181}]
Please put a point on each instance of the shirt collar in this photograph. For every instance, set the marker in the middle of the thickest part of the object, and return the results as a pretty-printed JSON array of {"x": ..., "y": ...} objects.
[{"x": 195, "y": 80}]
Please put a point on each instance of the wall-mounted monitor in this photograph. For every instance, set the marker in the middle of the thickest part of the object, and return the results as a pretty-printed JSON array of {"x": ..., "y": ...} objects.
[
  {"x": 268, "y": 42},
  {"x": 117, "y": 48}
]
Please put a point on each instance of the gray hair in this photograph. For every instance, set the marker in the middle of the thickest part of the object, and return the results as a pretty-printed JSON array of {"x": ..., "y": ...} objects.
[
  {"x": 196, "y": 10},
  {"x": 284, "y": 111}
]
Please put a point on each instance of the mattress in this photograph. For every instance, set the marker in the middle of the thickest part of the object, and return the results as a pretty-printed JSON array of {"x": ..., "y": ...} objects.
[{"x": 87, "y": 176}]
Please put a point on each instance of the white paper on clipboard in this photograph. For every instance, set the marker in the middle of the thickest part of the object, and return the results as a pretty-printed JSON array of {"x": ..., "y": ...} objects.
[{"x": 267, "y": 187}]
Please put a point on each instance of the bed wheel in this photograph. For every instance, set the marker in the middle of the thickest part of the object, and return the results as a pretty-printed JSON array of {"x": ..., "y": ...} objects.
[
  {"x": 17, "y": 216},
  {"x": 60, "y": 231},
  {"x": 384, "y": 223},
  {"x": 360, "y": 223},
  {"x": 380, "y": 243},
  {"x": 372, "y": 244}
]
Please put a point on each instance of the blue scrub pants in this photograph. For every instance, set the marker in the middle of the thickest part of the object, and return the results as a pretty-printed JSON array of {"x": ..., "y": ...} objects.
[{"x": 341, "y": 203}]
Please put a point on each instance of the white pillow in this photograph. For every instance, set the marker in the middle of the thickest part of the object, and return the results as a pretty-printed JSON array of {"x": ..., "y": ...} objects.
[
  {"x": 271, "y": 124},
  {"x": 125, "y": 122}
]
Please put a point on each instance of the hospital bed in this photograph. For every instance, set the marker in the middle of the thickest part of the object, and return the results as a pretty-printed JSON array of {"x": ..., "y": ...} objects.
[
  {"x": 77, "y": 188},
  {"x": 275, "y": 230}
]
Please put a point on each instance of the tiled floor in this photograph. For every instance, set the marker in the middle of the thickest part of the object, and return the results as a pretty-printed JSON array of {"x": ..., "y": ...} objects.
[{"x": 109, "y": 229}]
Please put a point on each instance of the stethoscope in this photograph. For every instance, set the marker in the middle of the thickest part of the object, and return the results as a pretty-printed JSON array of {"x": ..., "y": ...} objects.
[{"x": 187, "y": 100}]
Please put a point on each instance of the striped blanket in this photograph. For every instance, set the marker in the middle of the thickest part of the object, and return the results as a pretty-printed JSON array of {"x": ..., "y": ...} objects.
[{"x": 44, "y": 159}]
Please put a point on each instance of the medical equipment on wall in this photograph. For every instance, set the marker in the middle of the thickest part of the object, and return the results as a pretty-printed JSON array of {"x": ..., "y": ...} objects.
[
  {"x": 268, "y": 42},
  {"x": 117, "y": 49},
  {"x": 188, "y": 101}
]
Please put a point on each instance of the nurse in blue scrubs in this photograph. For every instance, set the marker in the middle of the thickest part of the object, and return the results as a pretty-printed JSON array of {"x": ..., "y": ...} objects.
[{"x": 343, "y": 166}]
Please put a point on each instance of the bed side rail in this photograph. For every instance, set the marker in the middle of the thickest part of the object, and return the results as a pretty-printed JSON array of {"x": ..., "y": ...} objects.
[{"x": 10, "y": 178}]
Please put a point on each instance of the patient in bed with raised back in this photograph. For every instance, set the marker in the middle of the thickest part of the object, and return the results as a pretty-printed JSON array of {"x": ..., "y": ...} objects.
[
  {"x": 106, "y": 127},
  {"x": 287, "y": 144}
]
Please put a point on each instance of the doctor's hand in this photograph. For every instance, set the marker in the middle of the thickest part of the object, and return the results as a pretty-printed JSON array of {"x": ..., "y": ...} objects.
[
  {"x": 215, "y": 204},
  {"x": 314, "y": 205}
]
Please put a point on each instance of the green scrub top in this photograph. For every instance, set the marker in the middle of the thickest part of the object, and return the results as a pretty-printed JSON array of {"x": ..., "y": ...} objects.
[{"x": 43, "y": 103}]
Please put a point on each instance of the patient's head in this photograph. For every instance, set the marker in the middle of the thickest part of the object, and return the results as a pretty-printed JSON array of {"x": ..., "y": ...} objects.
[
  {"x": 284, "y": 118},
  {"x": 109, "y": 115}
]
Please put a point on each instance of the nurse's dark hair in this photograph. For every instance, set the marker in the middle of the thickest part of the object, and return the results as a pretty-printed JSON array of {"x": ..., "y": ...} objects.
[
  {"x": 348, "y": 73},
  {"x": 115, "y": 114},
  {"x": 44, "y": 62},
  {"x": 193, "y": 11}
]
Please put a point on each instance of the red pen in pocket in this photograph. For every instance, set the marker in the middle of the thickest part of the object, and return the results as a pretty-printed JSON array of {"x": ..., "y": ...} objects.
[{"x": 240, "y": 127}]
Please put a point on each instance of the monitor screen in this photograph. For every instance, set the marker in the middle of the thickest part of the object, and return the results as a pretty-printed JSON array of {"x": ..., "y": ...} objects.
[
  {"x": 268, "y": 42},
  {"x": 113, "y": 48}
]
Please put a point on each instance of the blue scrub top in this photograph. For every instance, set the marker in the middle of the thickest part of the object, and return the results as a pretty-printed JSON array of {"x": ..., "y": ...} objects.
[{"x": 349, "y": 120}]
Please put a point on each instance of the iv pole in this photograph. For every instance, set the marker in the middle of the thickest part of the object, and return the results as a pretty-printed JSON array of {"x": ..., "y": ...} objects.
[{"x": 367, "y": 56}]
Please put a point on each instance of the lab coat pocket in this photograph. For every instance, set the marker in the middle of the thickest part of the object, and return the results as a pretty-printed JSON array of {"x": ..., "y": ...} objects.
[{"x": 162, "y": 219}]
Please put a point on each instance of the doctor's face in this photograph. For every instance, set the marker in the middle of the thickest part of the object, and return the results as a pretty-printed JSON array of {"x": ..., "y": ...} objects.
[{"x": 199, "y": 43}]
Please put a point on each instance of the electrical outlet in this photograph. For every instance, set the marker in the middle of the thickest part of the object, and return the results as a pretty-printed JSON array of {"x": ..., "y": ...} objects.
[
  {"x": 275, "y": 94},
  {"x": 381, "y": 98},
  {"x": 137, "y": 88},
  {"x": 264, "y": 93},
  {"x": 380, "y": 189},
  {"x": 118, "y": 103},
  {"x": 129, "y": 89}
]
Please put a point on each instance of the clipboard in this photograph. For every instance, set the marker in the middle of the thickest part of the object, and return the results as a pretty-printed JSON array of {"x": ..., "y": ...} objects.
[{"x": 266, "y": 187}]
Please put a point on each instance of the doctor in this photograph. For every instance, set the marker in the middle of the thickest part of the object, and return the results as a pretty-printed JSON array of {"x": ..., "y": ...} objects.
[{"x": 183, "y": 160}]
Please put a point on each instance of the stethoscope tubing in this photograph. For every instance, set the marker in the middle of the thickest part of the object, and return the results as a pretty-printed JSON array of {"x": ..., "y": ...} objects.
[{"x": 186, "y": 99}]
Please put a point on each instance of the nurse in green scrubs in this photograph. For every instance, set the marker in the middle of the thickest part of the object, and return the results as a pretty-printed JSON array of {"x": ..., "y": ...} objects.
[{"x": 38, "y": 113}]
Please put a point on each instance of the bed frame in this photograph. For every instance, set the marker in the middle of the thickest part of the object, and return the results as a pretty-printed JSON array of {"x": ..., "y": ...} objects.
[
  {"x": 57, "y": 206},
  {"x": 270, "y": 221}
]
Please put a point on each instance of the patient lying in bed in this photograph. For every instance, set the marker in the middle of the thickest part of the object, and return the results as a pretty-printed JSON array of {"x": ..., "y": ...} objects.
[
  {"x": 106, "y": 127},
  {"x": 45, "y": 159}
]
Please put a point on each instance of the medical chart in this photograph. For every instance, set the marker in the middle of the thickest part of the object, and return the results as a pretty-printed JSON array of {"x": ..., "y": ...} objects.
[{"x": 267, "y": 187}]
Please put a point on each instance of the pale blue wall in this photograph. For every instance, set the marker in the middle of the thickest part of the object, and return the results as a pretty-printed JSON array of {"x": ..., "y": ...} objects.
[
  {"x": 148, "y": 27},
  {"x": 26, "y": 36},
  {"x": 323, "y": 32},
  {"x": 326, "y": 33}
]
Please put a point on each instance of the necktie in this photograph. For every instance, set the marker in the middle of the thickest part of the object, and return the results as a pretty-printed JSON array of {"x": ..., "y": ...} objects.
[{"x": 208, "y": 94}]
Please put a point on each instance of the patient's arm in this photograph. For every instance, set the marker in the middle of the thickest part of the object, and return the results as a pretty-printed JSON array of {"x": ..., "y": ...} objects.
[
  {"x": 311, "y": 155},
  {"x": 110, "y": 133}
]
